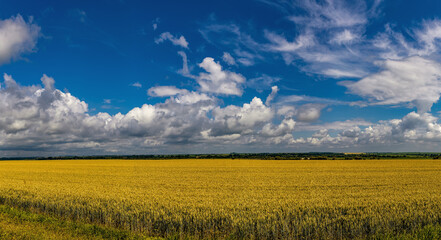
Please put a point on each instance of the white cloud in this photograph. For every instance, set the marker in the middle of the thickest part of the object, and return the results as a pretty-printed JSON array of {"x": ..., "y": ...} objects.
[
  {"x": 246, "y": 58},
  {"x": 227, "y": 58},
  {"x": 47, "y": 120},
  {"x": 429, "y": 36},
  {"x": 36, "y": 113},
  {"x": 406, "y": 132},
  {"x": 344, "y": 37},
  {"x": 423, "y": 41},
  {"x": 331, "y": 13},
  {"x": 48, "y": 82},
  {"x": 174, "y": 40},
  {"x": 337, "y": 125},
  {"x": 234, "y": 119},
  {"x": 192, "y": 97},
  {"x": 165, "y": 91},
  {"x": 329, "y": 38},
  {"x": 285, "y": 127},
  {"x": 308, "y": 112},
  {"x": 272, "y": 95},
  {"x": 184, "y": 71},
  {"x": 136, "y": 84},
  {"x": 280, "y": 44},
  {"x": 44, "y": 119},
  {"x": 217, "y": 80},
  {"x": 413, "y": 80},
  {"x": 246, "y": 61},
  {"x": 290, "y": 99},
  {"x": 17, "y": 37},
  {"x": 339, "y": 73}
]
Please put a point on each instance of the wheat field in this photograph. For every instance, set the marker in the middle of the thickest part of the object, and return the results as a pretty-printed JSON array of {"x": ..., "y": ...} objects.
[{"x": 232, "y": 199}]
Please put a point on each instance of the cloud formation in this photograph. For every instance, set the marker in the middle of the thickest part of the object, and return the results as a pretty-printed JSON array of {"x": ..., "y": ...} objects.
[
  {"x": 408, "y": 132},
  {"x": 219, "y": 81},
  {"x": 272, "y": 95},
  {"x": 17, "y": 37},
  {"x": 136, "y": 84},
  {"x": 41, "y": 119},
  {"x": 412, "y": 80},
  {"x": 227, "y": 58},
  {"x": 174, "y": 40},
  {"x": 332, "y": 38},
  {"x": 184, "y": 71},
  {"x": 165, "y": 91},
  {"x": 329, "y": 37}
]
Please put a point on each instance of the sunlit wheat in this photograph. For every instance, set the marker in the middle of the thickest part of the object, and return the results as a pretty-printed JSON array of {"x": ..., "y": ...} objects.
[{"x": 232, "y": 198}]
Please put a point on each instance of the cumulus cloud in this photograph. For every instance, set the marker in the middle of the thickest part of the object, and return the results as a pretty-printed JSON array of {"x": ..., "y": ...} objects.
[
  {"x": 165, "y": 91},
  {"x": 234, "y": 119},
  {"x": 411, "y": 129},
  {"x": 193, "y": 97},
  {"x": 412, "y": 80},
  {"x": 309, "y": 112},
  {"x": 219, "y": 81},
  {"x": 45, "y": 119},
  {"x": 174, "y": 40},
  {"x": 48, "y": 82},
  {"x": 285, "y": 127},
  {"x": 17, "y": 37},
  {"x": 36, "y": 114},
  {"x": 182, "y": 96},
  {"x": 306, "y": 113}
]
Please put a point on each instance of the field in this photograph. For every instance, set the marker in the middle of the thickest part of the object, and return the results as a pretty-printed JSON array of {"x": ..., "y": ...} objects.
[{"x": 234, "y": 199}]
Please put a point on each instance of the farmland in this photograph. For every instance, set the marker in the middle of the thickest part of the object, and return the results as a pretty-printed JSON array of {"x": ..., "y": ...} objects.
[{"x": 224, "y": 198}]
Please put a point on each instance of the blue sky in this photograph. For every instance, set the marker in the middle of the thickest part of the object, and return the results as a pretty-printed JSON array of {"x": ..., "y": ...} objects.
[{"x": 141, "y": 77}]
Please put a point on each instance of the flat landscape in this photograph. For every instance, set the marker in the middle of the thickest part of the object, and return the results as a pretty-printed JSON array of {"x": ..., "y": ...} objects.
[{"x": 221, "y": 199}]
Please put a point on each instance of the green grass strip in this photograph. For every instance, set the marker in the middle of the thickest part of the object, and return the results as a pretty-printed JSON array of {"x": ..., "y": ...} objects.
[{"x": 19, "y": 224}]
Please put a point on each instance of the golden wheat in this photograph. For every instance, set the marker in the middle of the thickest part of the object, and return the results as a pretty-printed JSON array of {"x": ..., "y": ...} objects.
[{"x": 251, "y": 199}]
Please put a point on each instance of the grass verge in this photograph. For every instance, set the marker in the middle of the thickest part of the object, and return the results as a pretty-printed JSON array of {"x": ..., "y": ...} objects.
[{"x": 19, "y": 224}]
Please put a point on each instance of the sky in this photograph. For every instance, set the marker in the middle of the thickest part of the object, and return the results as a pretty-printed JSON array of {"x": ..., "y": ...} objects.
[{"x": 166, "y": 77}]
